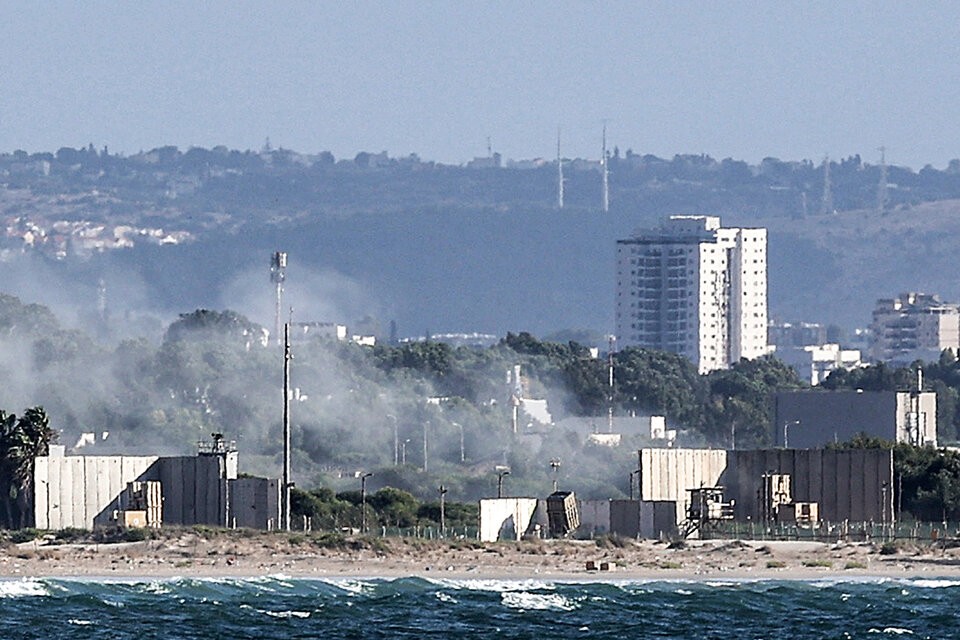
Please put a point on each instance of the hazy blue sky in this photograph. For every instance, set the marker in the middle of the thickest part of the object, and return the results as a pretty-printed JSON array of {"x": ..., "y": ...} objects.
[{"x": 732, "y": 79}]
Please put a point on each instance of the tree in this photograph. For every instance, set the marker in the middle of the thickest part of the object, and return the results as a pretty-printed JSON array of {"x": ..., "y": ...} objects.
[{"x": 21, "y": 442}]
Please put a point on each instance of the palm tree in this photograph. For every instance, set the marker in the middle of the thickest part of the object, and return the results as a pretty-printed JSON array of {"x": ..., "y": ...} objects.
[{"x": 21, "y": 442}]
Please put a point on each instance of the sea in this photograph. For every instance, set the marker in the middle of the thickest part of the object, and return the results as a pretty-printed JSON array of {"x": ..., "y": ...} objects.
[{"x": 283, "y": 607}]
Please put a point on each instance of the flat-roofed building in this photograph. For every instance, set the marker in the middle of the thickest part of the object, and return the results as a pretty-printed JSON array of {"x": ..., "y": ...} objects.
[
  {"x": 914, "y": 326},
  {"x": 694, "y": 288}
]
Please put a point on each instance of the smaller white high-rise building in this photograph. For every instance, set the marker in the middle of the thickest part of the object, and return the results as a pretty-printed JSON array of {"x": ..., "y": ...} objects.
[
  {"x": 914, "y": 326},
  {"x": 694, "y": 288}
]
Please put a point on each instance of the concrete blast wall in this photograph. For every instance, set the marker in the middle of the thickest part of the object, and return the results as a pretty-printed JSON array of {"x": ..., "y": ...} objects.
[
  {"x": 84, "y": 491},
  {"x": 255, "y": 503},
  {"x": 855, "y": 484},
  {"x": 81, "y": 491},
  {"x": 668, "y": 474},
  {"x": 594, "y": 517},
  {"x": 506, "y": 518}
]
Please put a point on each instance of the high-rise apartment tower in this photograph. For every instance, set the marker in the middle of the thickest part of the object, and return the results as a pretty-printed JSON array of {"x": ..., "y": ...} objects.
[{"x": 694, "y": 288}]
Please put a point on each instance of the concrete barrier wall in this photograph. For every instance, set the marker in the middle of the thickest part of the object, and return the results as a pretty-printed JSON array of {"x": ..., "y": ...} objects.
[
  {"x": 255, "y": 503},
  {"x": 84, "y": 491},
  {"x": 658, "y": 520},
  {"x": 81, "y": 491},
  {"x": 625, "y": 518},
  {"x": 855, "y": 485},
  {"x": 851, "y": 484},
  {"x": 594, "y": 517},
  {"x": 505, "y": 518},
  {"x": 668, "y": 474}
]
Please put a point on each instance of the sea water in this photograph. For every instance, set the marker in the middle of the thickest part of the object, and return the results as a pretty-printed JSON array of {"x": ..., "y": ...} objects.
[{"x": 281, "y": 607}]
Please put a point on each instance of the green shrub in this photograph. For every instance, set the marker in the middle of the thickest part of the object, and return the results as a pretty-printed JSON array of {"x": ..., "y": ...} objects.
[{"x": 24, "y": 535}]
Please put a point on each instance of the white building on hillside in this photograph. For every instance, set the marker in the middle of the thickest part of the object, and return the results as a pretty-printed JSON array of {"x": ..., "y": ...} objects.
[
  {"x": 914, "y": 326},
  {"x": 694, "y": 288}
]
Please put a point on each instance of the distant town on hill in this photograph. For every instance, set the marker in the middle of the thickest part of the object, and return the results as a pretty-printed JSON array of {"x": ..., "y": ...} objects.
[{"x": 439, "y": 248}]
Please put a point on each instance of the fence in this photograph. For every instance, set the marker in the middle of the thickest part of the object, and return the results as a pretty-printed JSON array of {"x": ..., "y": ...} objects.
[{"x": 835, "y": 531}]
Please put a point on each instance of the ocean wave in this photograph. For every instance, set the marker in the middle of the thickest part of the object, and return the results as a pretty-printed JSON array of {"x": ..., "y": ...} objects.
[
  {"x": 285, "y": 614},
  {"x": 498, "y": 586},
  {"x": 526, "y": 601},
  {"x": 933, "y": 583},
  {"x": 23, "y": 588}
]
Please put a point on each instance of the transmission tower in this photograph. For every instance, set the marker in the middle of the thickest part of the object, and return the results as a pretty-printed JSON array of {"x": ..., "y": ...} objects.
[
  {"x": 882, "y": 186},
  {"x": 826, "y": 206},
  {"x": 605, "y": 201},
  {"x": 559, "y": 173}
]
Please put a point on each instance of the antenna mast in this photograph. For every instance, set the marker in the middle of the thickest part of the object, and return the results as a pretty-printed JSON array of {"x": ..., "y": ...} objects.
[
  {"x": 559, "y": 173},
  {"x": 286, "y": 427},
  {"x": 278, "y": 274},
  {"x": 603, "y": 165}
]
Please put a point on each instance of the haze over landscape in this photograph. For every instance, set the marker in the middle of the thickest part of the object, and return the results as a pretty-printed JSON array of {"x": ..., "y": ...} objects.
[{"x": 153, "y": 158}]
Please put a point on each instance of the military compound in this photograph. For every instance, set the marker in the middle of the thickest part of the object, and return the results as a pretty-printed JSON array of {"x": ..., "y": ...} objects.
[
  {"x": 683, "y": 492},
  {"x": 85, "y": 492}
]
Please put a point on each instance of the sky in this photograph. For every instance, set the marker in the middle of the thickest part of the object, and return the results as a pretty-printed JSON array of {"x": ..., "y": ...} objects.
[{"x": 747, "y": 80}]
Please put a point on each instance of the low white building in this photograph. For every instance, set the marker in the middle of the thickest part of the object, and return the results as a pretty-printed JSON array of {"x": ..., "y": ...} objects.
[{"x": 814, "y": 363}]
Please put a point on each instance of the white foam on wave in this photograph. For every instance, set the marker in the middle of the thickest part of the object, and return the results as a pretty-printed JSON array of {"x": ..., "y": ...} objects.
[
  {"x": 22, "y": 588},
  {"x": 443, "y": 597},
  {"x": 80, "y": 623},
  {"x": 525, "y": 601},
  {"x": 930, "y": 583},
  {"x": 353, "y": 587},
  {"x": 498, "y": 586},
  {"x": 286, "y": 614},
  {"x": 898, "y": 631}
]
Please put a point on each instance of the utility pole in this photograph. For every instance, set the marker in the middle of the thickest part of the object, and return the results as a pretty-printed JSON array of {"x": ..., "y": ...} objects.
[
  {"x": 286, "y": 426},
  {"x": 278, "y": 275},
  {"x": 610, "y": 349},
  {"x": 443, "y": 519},
  {"x": 363, "y": 501},
  {"x": 555, "y": 465}
]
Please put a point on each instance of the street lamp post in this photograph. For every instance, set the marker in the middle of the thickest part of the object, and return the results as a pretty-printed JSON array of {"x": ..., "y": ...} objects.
[
  {"x": 396, "y": 440},
  {"x": 426, "y": 424},
  {"x": 501, "y": 471},
  {"x": 463, "y": 458},
  {"x": 786, "y": 425},
  {"x": 363, "y": 501},
  {"x": 403, "y": 451}
]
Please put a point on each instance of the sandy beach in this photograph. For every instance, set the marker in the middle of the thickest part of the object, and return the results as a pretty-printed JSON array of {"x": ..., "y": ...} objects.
[{"x": 238, "y": 553}]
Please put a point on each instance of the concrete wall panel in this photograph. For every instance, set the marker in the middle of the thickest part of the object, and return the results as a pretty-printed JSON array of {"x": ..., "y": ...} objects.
[
  {"x": 625, "y": 518},
  {"x": 594, "y": 517},
  {"x": 41, "y": 490},
  {"x": 505, "y": 518}
]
